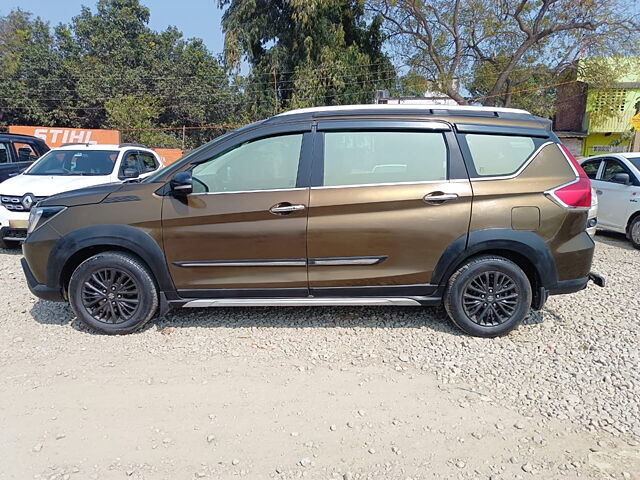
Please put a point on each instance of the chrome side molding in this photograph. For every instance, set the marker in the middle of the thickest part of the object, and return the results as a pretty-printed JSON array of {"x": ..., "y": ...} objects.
[
  {"x": 293, "y": 262},
  {"x": 304, "y": 302},
  {"x": 339, "y": 261},
  {"x": 285, "y": 262}
]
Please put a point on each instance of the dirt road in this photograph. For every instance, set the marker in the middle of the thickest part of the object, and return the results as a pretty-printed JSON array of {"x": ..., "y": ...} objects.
[{"x": 319, "y": 393}]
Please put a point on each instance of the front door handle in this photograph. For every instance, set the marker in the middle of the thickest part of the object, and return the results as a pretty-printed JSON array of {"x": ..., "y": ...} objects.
[
  {"x": 438, "y": 198},
  {"x": 286, "y": 208}
]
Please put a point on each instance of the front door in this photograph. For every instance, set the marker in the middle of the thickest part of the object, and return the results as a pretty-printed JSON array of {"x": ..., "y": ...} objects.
[
  {"x": 613, "y": 198},
  {"x": 384, "y": 208},
  {"x": 243, "y": 229}
]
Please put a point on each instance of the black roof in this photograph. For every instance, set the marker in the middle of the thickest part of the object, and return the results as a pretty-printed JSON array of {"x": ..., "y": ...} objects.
[{"x": 19, "y": 136}]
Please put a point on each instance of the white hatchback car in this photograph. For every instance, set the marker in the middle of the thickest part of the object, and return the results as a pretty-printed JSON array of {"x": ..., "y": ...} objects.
[
  {"x": 67, "y": 168},
  {"x": 616, "y": 179}
]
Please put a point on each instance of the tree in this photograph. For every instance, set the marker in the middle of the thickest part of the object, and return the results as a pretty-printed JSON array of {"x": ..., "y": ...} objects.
[
  {"x": 497, "y": 48},
  {"x": 304, "y": 53},
  {"x": 107, "y": 68},
  {"x": 29, "y": 64}
]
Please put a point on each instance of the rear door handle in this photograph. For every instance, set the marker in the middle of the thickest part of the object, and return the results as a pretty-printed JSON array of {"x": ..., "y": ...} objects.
[
  {"x": 599, "y": 192},
  {"x": 284, "y": 208},
  {"x": 439, "y": 197}
]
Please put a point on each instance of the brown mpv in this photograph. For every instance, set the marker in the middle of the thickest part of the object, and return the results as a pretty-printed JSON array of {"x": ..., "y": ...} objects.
[{"x": 481, "y": 209}]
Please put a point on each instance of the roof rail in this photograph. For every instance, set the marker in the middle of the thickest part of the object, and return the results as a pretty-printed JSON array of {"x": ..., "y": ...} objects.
[
  {"x": 132, "y": 145},
  {"x": 71, "y": 144},
  {"x": 427, "y": 108}
]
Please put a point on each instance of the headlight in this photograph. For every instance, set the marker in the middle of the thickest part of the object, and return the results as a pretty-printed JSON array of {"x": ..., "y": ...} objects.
[{"x": 41, "y": 215}]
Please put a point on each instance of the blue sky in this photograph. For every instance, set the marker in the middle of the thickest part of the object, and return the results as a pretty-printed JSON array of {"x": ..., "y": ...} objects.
[{"x": 194, "y": 18}]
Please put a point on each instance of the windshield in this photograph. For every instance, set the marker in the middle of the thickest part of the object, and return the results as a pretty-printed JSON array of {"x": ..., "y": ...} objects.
[
  {"x": 75, "y": 162},
  {"x": 635, "y": 161}
]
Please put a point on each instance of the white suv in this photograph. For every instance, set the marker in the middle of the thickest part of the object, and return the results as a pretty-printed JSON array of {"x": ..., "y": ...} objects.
[
  {"x": 69, "y": 167},
  {"x": 616, "y": 179}
]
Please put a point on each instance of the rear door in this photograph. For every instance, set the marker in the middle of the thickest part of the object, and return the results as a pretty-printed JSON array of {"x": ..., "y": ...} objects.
[
  {"x": 7, "y": 167},
  {"x": 242, "y": 232},
  {"x": 387, "y": 199}
]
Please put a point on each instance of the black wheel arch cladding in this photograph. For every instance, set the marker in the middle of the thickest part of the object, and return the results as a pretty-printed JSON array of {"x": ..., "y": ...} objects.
[
  {"x": 115, "y": 237},
  {"x": 523, "y": 243}
]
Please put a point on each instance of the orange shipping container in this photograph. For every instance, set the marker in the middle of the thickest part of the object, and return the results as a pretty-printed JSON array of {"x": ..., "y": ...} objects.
[{"x": 56, "y": 136}]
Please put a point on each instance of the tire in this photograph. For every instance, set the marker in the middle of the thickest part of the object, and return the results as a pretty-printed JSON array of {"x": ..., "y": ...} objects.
[
  {"x": 482, "y": 276},
  {"x": 634, "y": 232},
  {"x": 9, "y": 244},
  {"x": 134, "y": 299}
]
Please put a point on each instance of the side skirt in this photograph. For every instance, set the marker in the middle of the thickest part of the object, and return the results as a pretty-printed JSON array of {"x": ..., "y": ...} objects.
[{"x": 308, "y": 301}]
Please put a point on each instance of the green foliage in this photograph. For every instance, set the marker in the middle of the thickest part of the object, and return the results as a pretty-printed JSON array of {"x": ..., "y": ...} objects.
[
  {"x": 305, "y": 52},
  {"x": 137, "y": 116},
  {"x": 108, "y": 68}
]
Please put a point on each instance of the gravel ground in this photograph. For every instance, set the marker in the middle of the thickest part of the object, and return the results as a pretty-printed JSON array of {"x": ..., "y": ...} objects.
[{"x": 380, "y": 393}]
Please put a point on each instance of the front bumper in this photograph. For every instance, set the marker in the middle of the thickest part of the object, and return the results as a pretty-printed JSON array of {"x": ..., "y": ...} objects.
[
  {"x": 13, "y": 234},
  {"x": 38, "y": 289},
  {"x": 13, "y": 225}
]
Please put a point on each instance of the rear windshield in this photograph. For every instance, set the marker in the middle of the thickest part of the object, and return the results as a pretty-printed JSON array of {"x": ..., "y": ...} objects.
[
  {"x": 75, "y": 162},
  {"x": 635, "y": 161}
]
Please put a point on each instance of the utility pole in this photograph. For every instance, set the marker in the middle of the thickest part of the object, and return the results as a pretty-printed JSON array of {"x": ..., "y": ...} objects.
[{"x": 275, "y": 93}]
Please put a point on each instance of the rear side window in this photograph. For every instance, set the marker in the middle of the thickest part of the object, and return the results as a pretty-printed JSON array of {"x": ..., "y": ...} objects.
[
  {"x": 494, "y": 155},
  {"x": 591, "y": 168},
  {"x": 4, "y": 153},
  {"x": 362, "y": 158}
]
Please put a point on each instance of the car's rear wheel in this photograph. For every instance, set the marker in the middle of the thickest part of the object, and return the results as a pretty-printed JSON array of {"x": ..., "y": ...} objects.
[
  {"x": 113, "y": 292},
  {"x": 488, "y": 296},
  {"x": 634, "y": 232}
]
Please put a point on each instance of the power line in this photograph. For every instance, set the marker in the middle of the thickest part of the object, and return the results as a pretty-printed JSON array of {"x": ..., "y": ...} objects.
[
  {"x": 237, "y": 102},
  {"x": 390, "y": 75}
]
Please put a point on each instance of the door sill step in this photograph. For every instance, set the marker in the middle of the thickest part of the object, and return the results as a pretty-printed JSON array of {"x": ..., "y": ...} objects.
[{"x": 310, "y": 301}]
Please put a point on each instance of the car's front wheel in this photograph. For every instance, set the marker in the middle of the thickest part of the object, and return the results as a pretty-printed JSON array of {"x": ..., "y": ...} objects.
[
  {"x": 113, "y": 292},
  {"x": 488, "y": 296},
  {"x": 634, "y": 232}
]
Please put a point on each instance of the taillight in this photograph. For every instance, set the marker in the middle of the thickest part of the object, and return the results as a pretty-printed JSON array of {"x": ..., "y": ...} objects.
[{"x": 576, "y": 194}]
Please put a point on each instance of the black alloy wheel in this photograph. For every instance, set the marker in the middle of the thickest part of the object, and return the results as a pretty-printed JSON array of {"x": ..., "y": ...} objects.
[
  {"x": 111, "y": 295},
  {"x": 490, "y": 298},
  {"x": 113, "y": 292}
]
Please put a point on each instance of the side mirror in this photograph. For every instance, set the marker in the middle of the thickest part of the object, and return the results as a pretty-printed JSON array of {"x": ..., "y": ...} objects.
[
  {"x": 130, "y": 173},
  {"x": 622, "y": 178},
  {"x": 181, "y": 184}
]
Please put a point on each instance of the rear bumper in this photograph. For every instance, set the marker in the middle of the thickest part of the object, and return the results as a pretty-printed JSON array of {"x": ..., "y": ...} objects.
[
  {"x": 572, "y": 286},
  {"x": 38, "y": 289}
]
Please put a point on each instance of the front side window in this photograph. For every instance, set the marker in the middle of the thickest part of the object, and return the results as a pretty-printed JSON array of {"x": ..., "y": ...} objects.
[
  {"x": 147, "y": 162},
  {"x": 591, "y": 168},
  {"x": 363, "y": 158},
  {"x": 266, "y": 164},
  {"x": 495, "y": 155},
  {"x": 611, "y": 168},
  {"x": 75, "y": 162},
  {"x": 25, "y": 152}
]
